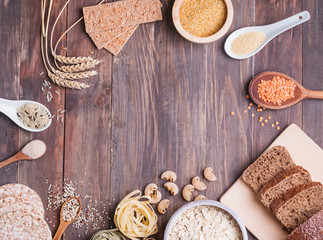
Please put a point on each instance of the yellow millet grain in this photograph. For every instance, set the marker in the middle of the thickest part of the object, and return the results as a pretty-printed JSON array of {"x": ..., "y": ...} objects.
[
  {"x": 202, "y": 18},
  {"x": 247, "y": 43}
]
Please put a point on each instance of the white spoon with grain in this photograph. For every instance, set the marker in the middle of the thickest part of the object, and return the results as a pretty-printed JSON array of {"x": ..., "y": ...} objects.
[
  {"x": 270, "y": 31},
  {"x": 10, "y": 108}
]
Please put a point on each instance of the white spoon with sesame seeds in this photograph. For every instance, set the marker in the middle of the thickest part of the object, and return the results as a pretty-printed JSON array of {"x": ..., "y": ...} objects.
[
  {"x": 70, "y": 211},
  {"x": 10, "y": 108},
  {"x": 270, "y": 31},
  {"x": 300, "y": 93}
]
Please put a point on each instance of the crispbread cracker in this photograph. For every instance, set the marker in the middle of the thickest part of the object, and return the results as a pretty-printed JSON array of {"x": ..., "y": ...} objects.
[
  {"x": 20, "y": 225},
  {"x": 120, "y": 14},
  {"x": 116, "y": 45},
  {"x": 103, "y": 38},
  {"x": 12, "y": 204},
  {"x": 21, "y": 191}
]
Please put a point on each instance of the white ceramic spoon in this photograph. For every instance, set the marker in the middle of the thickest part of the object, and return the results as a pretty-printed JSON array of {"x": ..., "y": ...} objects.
[
  {"x": 271, "y": 31},
  {"x": 10, "y": 108}
]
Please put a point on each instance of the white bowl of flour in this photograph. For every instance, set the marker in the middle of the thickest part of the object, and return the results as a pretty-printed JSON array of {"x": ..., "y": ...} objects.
[{"x": 205, "y": 220}]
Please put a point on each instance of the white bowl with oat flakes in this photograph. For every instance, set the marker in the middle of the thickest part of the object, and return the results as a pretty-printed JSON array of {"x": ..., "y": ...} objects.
[{"x": 205, "y": 220}]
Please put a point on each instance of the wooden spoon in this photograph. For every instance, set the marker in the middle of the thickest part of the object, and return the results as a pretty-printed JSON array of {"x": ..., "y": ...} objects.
[
  {"x": 63, "y": 224},
  {"x": 300, "y": 92},
  {"x": 22, "y": 156}
]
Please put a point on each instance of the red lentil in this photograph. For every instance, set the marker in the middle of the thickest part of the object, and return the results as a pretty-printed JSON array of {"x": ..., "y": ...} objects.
[
  {"x": 276, "y": 90},
  {"x": 232, "y": 113}
]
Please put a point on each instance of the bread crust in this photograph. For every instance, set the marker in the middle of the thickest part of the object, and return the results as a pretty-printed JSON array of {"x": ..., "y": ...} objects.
[
  {"x": 277, "y": 156},
  {"x": 310, "y": 229},
  {"x": 290, "y": 194},
  {"x": 284, "y": 175}
]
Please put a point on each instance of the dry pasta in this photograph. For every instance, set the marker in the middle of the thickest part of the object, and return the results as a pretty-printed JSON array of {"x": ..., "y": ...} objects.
[{"x": 135, "y": 217}]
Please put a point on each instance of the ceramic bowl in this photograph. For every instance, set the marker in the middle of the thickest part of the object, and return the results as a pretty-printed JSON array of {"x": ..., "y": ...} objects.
[
  {"x": 204, "y": 203},
  {"x": 196, "y": 39}
]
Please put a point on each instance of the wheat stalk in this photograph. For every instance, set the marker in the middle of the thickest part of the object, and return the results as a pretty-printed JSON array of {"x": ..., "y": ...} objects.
[
  {"x": 79, "y": 67},
  {"x": 75, "y": 76},
  {"x": 66, "y": 83},
  {"x": 73, "y": 60}
]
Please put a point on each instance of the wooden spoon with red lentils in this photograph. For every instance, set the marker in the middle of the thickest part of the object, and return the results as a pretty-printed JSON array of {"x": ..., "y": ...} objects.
[{"x": 274, "y": 90}]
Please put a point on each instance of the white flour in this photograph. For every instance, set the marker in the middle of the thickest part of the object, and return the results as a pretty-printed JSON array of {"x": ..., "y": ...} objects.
[
  {"x": 205, "y": 223},
  {"x": 34, "y": 149}
]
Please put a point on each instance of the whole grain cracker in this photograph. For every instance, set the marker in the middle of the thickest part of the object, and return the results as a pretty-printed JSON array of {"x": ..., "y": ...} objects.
[
  {"x": 102, "y": 38},
  {"x": 116, "y": 45},
  {"x": 23, "y": 226},
  {"x": 12, "y": 204},
  {"x": 120, "y": 14},
  {"x": 21, "y": 191}
]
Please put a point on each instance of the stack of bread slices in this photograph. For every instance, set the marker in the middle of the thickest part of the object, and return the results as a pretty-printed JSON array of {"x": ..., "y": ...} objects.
[
  {"x": 22, "y": 214},
  {"x": 288, "y": 191}
]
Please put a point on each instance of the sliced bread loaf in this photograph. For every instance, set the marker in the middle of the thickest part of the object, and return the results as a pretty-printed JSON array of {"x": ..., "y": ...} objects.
[
  {"x": 287, "y": 180},
  {"x": 310, "y": 229},
  {"x": 266, "y": 167},
  {"x": 298, "y": 204}
]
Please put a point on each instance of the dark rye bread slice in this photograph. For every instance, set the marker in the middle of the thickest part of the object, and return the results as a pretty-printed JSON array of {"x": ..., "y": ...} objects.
[
  {"x": 269, "y": 165},
  {"x": 310, "y": 230},
  {"x": 287, "y": 180},
  {"x": 298, "y": 204}
]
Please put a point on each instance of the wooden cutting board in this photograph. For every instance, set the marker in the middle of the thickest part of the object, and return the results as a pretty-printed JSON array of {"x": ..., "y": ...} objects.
[{"x": 245, "y": 203}]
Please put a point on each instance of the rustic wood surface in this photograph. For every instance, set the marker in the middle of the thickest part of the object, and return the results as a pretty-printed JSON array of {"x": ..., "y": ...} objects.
[{"x": 162, "y": 103}]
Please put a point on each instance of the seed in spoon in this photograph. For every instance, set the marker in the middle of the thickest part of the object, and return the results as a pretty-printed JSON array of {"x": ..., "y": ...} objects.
[
  {"x": 70, "y": 209},
  {"x": 276, "y": 90},
  {"x": 34, "y": 149},
  {"x": 247, "y": 43}
]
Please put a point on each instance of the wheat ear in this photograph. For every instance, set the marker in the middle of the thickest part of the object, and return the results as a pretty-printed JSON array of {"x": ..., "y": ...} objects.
[
  {"x": 66, "y": 83},
  {"x": 75, "y": 76},
  {"x": 79, "y": 67},
  {"x": 73, "y": 60}
]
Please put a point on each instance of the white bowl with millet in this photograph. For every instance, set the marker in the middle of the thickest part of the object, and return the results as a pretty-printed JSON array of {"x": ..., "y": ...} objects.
[{"x": 201, "y": 23}]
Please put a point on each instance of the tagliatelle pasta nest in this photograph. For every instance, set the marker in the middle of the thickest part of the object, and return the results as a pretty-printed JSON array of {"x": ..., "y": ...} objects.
[{"x": 135, "y": 217}]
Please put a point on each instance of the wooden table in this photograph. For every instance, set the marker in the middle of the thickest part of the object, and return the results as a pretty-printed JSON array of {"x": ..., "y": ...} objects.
[{"x": 162, "y": 104}]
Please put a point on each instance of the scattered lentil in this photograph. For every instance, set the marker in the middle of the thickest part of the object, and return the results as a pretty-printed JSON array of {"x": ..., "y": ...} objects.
[
  {"x": 265, "y": 120},
  {"x": 231, "y": 113},
  {"x": 276, "y": 90},
  {"x": 277, "y": 128},
  {"x": 247, "y": 43},
  {"x": 202, "y": 18},
  {"x": 276, "y": 123},
  {"x": 269, "y": 117},
  {"x": 262, "y": 124}
]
